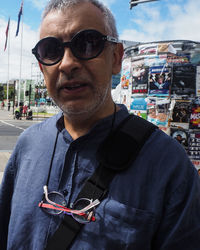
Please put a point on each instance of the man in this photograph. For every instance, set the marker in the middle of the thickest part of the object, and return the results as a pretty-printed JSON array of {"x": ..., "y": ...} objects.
[
  {"x": 154, "y": 204},
  {"x": 9, "y": 105}
]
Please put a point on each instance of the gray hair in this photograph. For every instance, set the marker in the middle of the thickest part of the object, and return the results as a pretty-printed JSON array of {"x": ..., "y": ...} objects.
[{"x": 110, "y": 24}]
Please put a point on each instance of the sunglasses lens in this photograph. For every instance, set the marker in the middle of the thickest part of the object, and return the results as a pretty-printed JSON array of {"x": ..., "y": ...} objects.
[
  {"x": 58, "y": 199},
  {"x": 80, "y": 204},
  {"x": 49, "y": 51},
  {"x": 87, "y": 44}
]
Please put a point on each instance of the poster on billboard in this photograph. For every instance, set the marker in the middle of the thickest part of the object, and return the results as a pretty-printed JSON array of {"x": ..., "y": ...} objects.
[
  {"x": 158, "y": 112},
  {"x": 139, "y": 74},
  {"x": 159, "y": 80},
  {"x": 125, "y": 73},
  {"x": 198, "y": 81},
  {"x": 195, "y": 114},
  {"x": 184, "y": 80},
  {"x": 194, "y": 145},
  {"x": 139, "y": 107},
  {"x": 181, "y": 112},
  {"x": 181, "y": 135}
]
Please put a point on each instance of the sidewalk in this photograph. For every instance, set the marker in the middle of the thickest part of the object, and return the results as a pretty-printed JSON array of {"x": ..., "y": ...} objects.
[
  {"x": 5, "y": 114},
  {"x": 4, "y": 157}
]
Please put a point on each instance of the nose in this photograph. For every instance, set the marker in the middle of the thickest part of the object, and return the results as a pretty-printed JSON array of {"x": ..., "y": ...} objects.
[{"x": 69, "y": 62}]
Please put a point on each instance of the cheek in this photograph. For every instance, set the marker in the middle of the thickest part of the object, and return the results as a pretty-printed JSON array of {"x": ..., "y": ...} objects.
[
  {"x": 50, "y": 77},
  {"x": 101, "y": 70}
]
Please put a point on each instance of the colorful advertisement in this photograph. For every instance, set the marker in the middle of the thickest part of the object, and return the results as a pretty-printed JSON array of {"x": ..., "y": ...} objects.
[
  {"x": 155, "y": 60},
  {"x": 181, "y": 111},
  {"x": 181, "y": 136},
  {"x": 198, "y": 81},
  {"x": 177, "y": 59},
  {"x": 184, "y": 80},
  {"x": 139, "y": 107},
  {"x": 195, "y": 114},
  {"x": 139, "y": 73},
  {"x": 159, "y": 80},
  {"x": 194, "y": 145},
  {"x": 158, "y": 112},
  {"x": 125, "y": 74},
  {"x": 147, "y": 49}
]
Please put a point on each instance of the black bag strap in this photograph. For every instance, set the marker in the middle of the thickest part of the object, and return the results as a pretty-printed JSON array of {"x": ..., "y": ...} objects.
[{"x": 114, "y": 155}]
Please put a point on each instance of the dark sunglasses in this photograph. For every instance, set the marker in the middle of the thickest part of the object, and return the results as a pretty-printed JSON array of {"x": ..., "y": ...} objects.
[{"x": 85, "y": 45}]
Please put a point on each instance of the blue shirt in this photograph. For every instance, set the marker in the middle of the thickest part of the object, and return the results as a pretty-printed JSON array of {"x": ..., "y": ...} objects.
[{"x": 154, "y": 204}]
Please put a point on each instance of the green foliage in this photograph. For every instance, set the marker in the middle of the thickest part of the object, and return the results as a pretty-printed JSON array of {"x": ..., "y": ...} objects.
[{"x": 3, "y": 92}]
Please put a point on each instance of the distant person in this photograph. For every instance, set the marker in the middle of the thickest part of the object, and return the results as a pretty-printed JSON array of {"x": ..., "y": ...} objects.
[
  {"x": 17, "y": 113},
  {"x": 24, "y": 111},
  {"x": 2, "y": 105},
  {"x": 160, "y": 83},
  {"x": 9, "y": 105},
  {"x": 181, "y": 140},
  {"x": 152, "y": 205},
  {"x": 21, "y": 109}
]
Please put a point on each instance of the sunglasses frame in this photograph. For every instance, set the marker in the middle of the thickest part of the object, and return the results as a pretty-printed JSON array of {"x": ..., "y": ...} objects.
[
  {"x": 82, "y": 215},
  {"x": 70, "y": 45}
]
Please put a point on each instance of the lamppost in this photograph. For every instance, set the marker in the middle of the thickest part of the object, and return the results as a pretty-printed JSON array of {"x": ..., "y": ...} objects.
[{"x": 134, "y": 3}]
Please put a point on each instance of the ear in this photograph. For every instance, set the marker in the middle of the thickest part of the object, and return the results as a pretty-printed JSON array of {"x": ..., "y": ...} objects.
[
  {"x": 40, "y": 65},
  {"x": 117, "y": 61}
]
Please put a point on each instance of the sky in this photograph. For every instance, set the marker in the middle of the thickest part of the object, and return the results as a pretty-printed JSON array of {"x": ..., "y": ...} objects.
[{"x": 154, "y": 21}]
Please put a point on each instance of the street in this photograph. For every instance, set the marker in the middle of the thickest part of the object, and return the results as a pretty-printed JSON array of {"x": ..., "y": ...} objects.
[{"x": 10, "y": 129}]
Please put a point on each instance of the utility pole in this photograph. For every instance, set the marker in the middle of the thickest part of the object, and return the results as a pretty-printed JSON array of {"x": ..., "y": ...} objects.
[
  {"x": 29, "y": 99},
  {"x": 134, "y": 3}
]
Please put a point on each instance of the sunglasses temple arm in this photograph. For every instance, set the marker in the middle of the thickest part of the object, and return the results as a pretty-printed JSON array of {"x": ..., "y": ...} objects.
[
  {"x": 91, "y": 205},
  {"x": 66, "y": 210},
  {"x": 112, "y": 39},
  {"x": 45, "y": 205},
  {"x": 46, "y": 196}
]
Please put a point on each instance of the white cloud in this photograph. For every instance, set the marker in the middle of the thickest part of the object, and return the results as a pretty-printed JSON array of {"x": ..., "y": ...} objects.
[
  {"x": 182, "y": 22},
  {"x": 39, "y": 4},
  {"x": 108, "y": 2},
  {"x": 14, "y": 48}
]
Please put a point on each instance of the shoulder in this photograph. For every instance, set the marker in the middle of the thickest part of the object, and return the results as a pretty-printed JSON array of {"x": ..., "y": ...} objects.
[
  {"x": 35, "y": 140},
  {"x": 39, "y": 134},
  {"x": 165, "y": 150},
  {"x": 41, "y": 128},
  {"x": 164, "y": 144}
]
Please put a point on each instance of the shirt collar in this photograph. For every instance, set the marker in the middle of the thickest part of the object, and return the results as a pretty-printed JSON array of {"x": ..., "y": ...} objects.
[{"x": 102, "y": 124}]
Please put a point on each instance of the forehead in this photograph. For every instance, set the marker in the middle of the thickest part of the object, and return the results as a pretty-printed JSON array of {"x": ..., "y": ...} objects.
[{"x": 67, "y": 22}]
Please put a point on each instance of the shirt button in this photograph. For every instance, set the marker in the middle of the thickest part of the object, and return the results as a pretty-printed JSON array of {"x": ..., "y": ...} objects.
[{"x": 65, "y": 192}]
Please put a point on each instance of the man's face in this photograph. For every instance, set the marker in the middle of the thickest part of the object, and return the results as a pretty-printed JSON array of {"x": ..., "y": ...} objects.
[
  {"x": 160, "y": 80},
  {"x": 78, "y": 86}
]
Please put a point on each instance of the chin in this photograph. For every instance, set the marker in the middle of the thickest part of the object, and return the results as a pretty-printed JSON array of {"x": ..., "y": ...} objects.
[
  {"x": 86, "y": 108},
  {"x": 78, "y": 110}
]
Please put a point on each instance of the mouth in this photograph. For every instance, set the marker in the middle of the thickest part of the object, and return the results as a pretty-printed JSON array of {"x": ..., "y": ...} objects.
[{"x": 74, "y": 87}]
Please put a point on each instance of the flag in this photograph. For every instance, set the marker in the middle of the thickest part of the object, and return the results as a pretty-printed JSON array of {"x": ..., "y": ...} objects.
[
  {"x": 19, "y": 17},
  {"x": 7, "y": 29}
]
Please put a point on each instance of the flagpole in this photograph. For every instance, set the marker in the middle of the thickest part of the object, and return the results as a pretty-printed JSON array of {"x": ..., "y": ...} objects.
[
  {"x": 20, "y": 69},
  {"x": 8, "y": 76}
]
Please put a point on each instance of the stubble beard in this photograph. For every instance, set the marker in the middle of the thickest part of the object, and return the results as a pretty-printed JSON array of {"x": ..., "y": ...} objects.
[{"x": 89, "y": 109}]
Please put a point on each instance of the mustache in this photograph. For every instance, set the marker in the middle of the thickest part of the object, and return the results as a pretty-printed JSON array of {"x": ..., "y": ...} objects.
[
  {"x": 70, "y": 78},
  {"x": 66, "y": 77}
]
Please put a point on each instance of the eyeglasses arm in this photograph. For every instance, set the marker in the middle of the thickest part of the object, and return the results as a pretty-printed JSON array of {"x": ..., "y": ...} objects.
[{"x": 111, "y": 39}]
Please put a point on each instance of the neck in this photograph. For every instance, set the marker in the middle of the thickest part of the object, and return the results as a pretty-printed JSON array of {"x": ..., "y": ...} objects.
[{"x": 80, "y": 125}]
